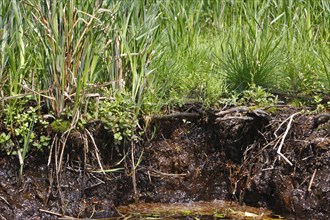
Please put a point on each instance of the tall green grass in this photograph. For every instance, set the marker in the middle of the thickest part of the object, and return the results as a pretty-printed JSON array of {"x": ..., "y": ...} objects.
[
  {"x": 65, "y": 47},
  {"x": 68, "y": 40},
  {"x": 274, "y": 44}
]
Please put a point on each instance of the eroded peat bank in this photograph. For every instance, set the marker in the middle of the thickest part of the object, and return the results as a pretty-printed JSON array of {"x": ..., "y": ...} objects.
[{"x": 274, "y": 158}]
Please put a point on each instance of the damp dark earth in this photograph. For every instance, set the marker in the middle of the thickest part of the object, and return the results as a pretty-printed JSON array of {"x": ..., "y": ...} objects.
[{"x": 234, "y": 163}]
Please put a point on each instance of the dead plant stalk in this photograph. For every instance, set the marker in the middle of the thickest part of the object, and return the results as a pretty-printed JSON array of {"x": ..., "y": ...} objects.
[
  {"x": 134, "y": 172},
  {"x": 284, "y": 136}
]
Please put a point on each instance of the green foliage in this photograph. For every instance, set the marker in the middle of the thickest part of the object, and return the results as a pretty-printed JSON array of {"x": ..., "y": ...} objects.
[
  {"x": 186, "y": 212},
  {"x": 162, "y": 50},
  {"x": 324, "y": 57},
  {"x": 256, "y": 95},
  {"x": 5, "y": 139},
  {"x": 71, "y": 38},
  {"x": 219, "y": 215},
  {"x": 118, "y": 116},
  {"x": 21, "y": 122},
  {"x": 253, "y": 96},
  {"x": 13, "y": 47},
  {"x": 60, "y": 126},
  {"x": 186, "y": 74},
  {"x": 305, "y": 39},
  {"x": 320, "y": 106},
  {"x": 251, "y": 62},
  {"x": 139, "y": 34}
]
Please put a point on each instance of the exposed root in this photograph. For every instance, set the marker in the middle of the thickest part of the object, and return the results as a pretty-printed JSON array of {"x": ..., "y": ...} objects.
[
  {"x": 236, "y": 110},
  {"x": 96, "y": 150},
  {"x": 157, "y": 173},
  {"x": 284, "y": 136},
  {"x": 241, "y": 113},
  {"x": 136, "y": 196},
  {"x": 3, "y": 199},
  {"x": 57, "y": 214},
  {"x": 246, "y": 118},
  {"x": 311, "y": 182}
]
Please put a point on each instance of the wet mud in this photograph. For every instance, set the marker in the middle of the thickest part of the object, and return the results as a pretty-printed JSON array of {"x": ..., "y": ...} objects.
[{"x": 275, "y": 158}]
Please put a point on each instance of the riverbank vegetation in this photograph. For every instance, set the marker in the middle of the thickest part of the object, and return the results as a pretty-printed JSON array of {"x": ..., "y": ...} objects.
[{"x": 68, "y": 64}]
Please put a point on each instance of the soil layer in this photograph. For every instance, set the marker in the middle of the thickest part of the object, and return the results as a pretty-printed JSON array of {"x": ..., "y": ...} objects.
[{"x": 277, "y": 158}]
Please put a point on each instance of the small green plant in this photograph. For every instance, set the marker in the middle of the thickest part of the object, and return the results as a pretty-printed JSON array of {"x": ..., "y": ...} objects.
[
  {"x": 256, "y": 95},
  {"x": 219, "y": 215},
  {"x": 231, "y": 99},
  {"x": 60, "y": 126},
  {"x": 20, "y": 135},
  {"x": 186, "y": 212},
  {"x": 5, "y": 140},
  {"x": 118, "y": 117},
  {"x": 20, "y": 125},
  {"x": 319, "y": 106}
]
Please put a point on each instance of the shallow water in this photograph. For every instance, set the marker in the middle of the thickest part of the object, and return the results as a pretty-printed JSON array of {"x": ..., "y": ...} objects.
[{"x": 194, "y": 210}]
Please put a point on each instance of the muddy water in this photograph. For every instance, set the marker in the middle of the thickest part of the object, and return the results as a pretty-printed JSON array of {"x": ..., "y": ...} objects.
[
  {"x": 199, "y": 210},
  {"x": 205, "y": 168}
]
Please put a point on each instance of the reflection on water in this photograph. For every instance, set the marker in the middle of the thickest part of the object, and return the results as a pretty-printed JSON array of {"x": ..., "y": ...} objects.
[{"x": 194, "y": 210}]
